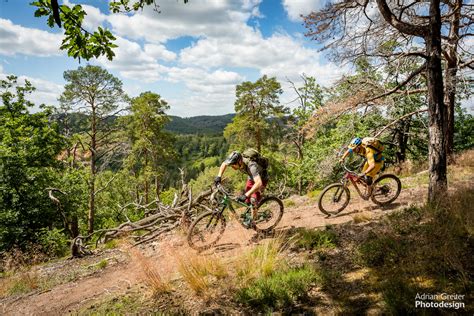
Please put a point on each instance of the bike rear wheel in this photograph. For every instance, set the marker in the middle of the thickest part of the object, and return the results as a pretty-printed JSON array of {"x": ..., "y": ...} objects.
[
  {"x": 334, "y": 199},
  {"x": 269, "y": 213},
  {"x": 206, "y": 230},
  {"x": 386, "y": 189}
]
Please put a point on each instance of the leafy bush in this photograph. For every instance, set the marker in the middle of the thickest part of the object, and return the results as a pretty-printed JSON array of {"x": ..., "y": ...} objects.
[
  {"x": 54, "y": 242},
  {"x": 280, "y": 290},
  {"x": 380, "y": 250},
  {"x": 313, "y": 238}
]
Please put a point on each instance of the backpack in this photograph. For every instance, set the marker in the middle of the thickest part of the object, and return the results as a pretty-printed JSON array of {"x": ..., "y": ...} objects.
[
  {"x": 374, "y": 143},
  {"x": 251, "y": 154}
]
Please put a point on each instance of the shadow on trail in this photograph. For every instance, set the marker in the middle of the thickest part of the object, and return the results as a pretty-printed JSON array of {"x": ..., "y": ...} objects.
[{"x": 225, "y": 247}]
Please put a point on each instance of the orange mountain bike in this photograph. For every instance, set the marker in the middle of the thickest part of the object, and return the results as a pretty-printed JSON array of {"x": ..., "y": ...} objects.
[{"x": 335, "y": 197}]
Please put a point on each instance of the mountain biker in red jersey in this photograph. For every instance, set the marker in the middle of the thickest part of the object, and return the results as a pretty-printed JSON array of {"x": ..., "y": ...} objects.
[{"x": 254, "y": 168}]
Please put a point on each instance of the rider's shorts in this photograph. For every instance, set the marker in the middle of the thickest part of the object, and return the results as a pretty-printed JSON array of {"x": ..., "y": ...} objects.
[
  {"x": 377, "y": 168},
  {"x": 256, "y": 195}
]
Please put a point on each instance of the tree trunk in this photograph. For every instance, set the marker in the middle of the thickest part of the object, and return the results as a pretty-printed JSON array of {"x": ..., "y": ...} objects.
[
  {"x": 93, "y": 150},
  {"x": 451, "y": 78},
  {"x": 436, "y": 107},
  {"x": 74, "y": 227},
  {"x": 146, "y": 178}
]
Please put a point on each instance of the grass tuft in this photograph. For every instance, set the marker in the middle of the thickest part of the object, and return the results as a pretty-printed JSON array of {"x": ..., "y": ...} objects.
[
  {"x": 280, "y": 290},
  {"x": 151, "y": 275},
  {"x": 200, "y": 272},
  {"x": 23, "y": 282},
  {"x": 311, "y": 239},
  {"x": 261, "y": 261}
]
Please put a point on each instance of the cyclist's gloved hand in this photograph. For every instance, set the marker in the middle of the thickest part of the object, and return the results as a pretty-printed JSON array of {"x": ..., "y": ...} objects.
[
  {"x": 242, "y": 198},
  {"x": 217, "y": 180}
]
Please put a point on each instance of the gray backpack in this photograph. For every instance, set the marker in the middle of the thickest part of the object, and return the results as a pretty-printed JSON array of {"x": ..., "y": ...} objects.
[{"x": 251, "y": 154}]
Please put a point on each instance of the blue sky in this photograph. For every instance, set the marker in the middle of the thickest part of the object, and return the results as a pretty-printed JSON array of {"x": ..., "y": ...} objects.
[{"x": 192, "y": 54}]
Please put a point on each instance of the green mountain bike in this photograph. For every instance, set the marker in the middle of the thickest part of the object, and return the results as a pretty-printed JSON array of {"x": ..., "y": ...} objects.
[{"x": 207, "y": 228}]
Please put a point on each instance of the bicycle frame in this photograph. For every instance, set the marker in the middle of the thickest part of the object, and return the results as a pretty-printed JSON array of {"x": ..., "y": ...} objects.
[
  {"x": 352, "y": 177},
  {"x": 227, "y": 202}
]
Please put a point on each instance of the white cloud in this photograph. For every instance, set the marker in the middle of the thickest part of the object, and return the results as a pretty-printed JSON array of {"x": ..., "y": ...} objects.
[
  {"x": 159, "y": 52},
  {"x": 16, "y": 39},
  {"x": 93, "y": 19},
  {"x": 132, "y": 62},
  {"x": 208, "y": 18},
  {"x": 280, "y": 55},
  {"x": 296, "y": 8}
]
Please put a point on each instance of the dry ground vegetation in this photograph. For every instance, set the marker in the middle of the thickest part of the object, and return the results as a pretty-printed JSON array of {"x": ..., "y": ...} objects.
[{"x": 369, "y": 264}]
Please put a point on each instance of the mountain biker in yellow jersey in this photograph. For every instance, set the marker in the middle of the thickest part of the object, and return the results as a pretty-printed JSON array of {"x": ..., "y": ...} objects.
[
  {"x": 371, "y": 149},
  {"x": 255, "y": 166}
]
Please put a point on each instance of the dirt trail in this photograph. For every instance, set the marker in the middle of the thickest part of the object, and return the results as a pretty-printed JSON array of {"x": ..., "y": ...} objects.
[{"x": 116, "y": 279}]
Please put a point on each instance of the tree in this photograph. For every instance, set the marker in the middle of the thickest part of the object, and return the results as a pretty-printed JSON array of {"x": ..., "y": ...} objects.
[
  {"x": 309, "y": 98},
  {"x": 29, "y": 145},
  {"x": 97, "y": 93},
  {"x": 258, "y": 111},
  {"x": 79, "y": 42},
  {"x": 151, "y": 147},
  {"x": 407, "y": 25}
]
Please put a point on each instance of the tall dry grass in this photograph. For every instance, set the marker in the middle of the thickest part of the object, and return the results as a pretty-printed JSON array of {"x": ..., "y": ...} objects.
[
  {"x": 200, "y": 272},
  {"x": 263, "y": 260},
  {"x": 150, "y": 272}
]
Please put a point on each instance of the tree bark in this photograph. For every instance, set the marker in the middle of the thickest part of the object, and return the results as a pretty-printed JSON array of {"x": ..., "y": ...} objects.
[
  {"x": 451, "y": 77},
  {"x": 436, "y": 107},
  {"x": 93, "y": 151}
]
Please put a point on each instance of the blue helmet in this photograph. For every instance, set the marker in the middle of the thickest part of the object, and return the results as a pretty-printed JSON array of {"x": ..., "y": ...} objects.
[{"x": 355, "y": 142}]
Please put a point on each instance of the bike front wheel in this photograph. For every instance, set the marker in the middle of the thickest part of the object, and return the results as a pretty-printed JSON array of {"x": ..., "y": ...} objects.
[
  {"x": 206, "y": 230},
  {"x": 386, "y": 189},
  {"x": 269, "y": 213},
  {"x": 334, "y": 199}
]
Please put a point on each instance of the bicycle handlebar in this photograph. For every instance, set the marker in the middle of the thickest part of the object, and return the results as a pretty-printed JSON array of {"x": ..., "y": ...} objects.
[
  {"x": 347, "y": 169},
  {"x": 221, "y": 189}
]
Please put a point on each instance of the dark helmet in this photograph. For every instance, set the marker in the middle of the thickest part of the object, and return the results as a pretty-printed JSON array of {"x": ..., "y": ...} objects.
[{"x": 233, "y": 158}]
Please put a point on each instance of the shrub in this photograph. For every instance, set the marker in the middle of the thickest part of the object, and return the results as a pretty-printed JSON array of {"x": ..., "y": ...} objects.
[
  {"x": 310, "y": 239},
  {"x": 280, "y": 290},
  {"x": 380, "y": 250},
  {"x": 54, "y": 242}
]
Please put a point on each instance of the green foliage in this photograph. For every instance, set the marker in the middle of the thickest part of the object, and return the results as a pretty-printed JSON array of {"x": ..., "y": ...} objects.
[
  {"x": 29, "y": 145},
  {"x": 151, "y": 147},
  {"x": 167, "y": 196},
  {"x": 463, "y": 130},
  {"x": 234, "y": 181},
  {"x": 258, "y": 111},
  {"x": 54, "y": 242},
  {"x": 310, "y": 239},
  {"x": 102, "y": 264},
  {"x": 78, "y": 42},
  {"x": 281, "y": 290}
]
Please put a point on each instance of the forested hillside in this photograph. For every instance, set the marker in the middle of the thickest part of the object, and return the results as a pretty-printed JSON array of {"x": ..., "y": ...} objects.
[{"x": 206, "y": 124}]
